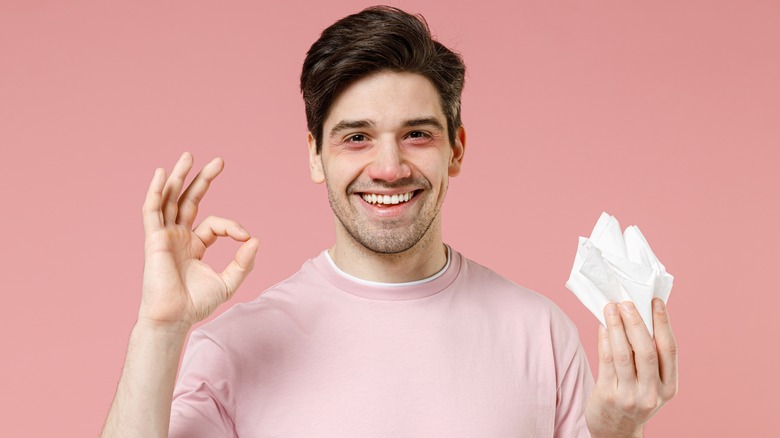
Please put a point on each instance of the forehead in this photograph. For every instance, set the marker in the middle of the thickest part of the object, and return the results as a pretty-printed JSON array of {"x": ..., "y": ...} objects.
[{"x": 386, "y": 97}]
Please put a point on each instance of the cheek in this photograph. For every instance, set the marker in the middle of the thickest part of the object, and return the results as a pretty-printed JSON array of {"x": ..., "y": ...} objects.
[
  {"x": 342, "y": 170},
  {"x": 437, "y": 171}
]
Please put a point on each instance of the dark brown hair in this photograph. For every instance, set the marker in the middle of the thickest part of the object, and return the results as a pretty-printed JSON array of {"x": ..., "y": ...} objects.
[{"x": 375, "y": 39}]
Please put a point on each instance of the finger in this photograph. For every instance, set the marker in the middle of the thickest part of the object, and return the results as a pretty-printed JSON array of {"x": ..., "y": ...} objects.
[
  {"x": 214, "y": 227},
  {"x": 237, "y": 271},
  {"x": 173, "y": 187},
  {"x": 188, "y": 202},
  {"x": 622, "y": 355},
  {"x": 607, "y": 374},
  {"x": 645, "y": 355},
  {"x": 667, "y": 347},
  {"x": 152, "y": 215}
]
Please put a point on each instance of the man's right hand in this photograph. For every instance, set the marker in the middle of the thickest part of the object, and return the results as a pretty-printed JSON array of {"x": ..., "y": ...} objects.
[{"x": 179, "y": 289}]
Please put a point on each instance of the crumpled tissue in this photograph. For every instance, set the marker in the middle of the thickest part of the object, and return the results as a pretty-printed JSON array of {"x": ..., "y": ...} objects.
[{"x": 614, "y": 267}]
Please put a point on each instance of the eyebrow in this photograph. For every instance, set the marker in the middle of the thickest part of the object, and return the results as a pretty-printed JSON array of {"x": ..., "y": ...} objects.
[
  {"x": 366, "y": 123},
  {"x": 350, "y": 124},
  {"x": 424, "y": 121}
]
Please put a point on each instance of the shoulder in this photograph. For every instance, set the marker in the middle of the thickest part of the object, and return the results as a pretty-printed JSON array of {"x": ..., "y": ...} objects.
[
  {"x": 274, "y": 310},
  {"x": 488, "y": 284},
  {"x": 536, "y": 324},
  {"x": 504, "y": 296}
]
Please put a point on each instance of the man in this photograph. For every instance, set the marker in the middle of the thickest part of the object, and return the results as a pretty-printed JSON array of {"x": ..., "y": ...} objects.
[{"x": 389, "y": 332}]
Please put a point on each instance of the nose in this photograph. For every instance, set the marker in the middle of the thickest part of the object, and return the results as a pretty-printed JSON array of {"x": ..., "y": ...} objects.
[{"x": 388, "y": 163}]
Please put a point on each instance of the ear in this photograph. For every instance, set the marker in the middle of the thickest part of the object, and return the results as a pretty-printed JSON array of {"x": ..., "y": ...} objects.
[
  {"x": 458, "y": 151},
  {"x": 315, "y": 161}
]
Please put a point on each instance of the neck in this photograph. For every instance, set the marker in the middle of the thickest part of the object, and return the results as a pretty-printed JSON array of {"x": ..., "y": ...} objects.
[{"x": 427, "y": 257}]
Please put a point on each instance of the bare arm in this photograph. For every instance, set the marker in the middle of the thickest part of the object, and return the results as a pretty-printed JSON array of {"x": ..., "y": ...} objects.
[{"x": 178, "y": 291}]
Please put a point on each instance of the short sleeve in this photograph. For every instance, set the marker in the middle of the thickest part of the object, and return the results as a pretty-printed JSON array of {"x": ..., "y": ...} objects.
[
  {"x": 202, "y": 400},
  {"x": 574, "y": 380}
]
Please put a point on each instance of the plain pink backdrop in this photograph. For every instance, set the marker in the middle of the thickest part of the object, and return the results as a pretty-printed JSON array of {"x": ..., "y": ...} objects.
[{"x": 662, "y": 113}]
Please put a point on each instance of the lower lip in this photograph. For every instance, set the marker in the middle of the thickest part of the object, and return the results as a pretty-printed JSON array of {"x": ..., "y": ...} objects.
[{"x": 388, "y": 210}]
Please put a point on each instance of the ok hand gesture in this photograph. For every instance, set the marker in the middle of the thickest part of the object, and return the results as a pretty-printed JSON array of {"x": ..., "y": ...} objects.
[{"x": 178, "y": 288}]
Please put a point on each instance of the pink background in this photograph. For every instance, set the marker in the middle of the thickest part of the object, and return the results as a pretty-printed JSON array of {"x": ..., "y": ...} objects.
[{"x": 662, "y": 113}]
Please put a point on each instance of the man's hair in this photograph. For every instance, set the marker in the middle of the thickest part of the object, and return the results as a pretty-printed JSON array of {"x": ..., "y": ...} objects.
[{"x": 376, "y": 39}]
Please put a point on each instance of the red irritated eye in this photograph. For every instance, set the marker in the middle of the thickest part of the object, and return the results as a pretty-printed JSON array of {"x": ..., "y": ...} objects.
[
  {"x": 419, "y": 137},
  {"x": 357, "y": 138},
  {"x": 355, "y": 141}
]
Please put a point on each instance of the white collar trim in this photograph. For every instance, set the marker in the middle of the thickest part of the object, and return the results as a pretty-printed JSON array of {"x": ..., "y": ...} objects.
[{"x": 381, "y": 284}]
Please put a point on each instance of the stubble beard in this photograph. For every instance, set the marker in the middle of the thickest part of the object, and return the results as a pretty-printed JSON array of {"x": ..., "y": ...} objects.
[{"x": 387, "y": 237}]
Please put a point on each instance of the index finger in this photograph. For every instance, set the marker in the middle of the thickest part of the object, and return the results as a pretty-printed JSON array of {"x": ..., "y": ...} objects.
[{"x": 152, "y": 209}]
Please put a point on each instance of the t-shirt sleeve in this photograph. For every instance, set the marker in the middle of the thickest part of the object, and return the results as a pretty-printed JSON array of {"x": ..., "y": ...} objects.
[
  {"x": 574, "y": 380},
  {"x": 202, "y": 400}
]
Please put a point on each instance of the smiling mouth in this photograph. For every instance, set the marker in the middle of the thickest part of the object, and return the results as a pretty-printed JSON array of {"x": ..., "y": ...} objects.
[{"x": 376, "y": 199}]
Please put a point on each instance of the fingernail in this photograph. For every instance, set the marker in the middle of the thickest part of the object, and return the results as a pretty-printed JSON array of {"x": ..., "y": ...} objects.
[
  {"x": 611, "y": 309},
  {"x": 627, "y": 307},
  {"x": 659, "y": 305}
]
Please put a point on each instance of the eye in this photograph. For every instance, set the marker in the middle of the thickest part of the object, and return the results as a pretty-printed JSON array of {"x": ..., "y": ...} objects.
[
  {"x": 418, "y": 134},
  {"x": 419, "y": 138},
  {"x": 355, "y": 138}
]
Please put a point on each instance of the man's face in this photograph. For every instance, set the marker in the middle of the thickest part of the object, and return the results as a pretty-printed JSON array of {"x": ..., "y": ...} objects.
[{"x": 386, "y": 160}]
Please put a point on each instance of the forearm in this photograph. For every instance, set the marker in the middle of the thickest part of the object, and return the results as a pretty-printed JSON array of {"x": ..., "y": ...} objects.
[{"x": 142, "y": 405}]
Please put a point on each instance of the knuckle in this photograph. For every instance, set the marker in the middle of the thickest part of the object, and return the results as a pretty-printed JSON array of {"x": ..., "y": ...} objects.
[
  {"x": 668, "y": 392},
  {"x": 629, "y": 403},
  {"x": 647, "y": 354},
  {"x": 623, "y": 357},
  {"x": 636, "y": 321},
  {"x": 671, "y": 350},
  {"x": 647, "y": 405},
  {"x": 609, "y": 400},
  {"x": 187, "y": 203},
  {"x": 606, "y": 357}
]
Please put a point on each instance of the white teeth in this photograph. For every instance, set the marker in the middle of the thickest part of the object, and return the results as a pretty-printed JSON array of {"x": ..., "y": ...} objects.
[{"x": 373, "y": 198}]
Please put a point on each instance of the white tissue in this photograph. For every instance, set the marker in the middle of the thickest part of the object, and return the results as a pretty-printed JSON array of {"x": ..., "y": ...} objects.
[{"x": 614, "y": 267}]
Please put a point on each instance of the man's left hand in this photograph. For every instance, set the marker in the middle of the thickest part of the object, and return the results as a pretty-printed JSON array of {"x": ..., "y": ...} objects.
[{"x": 637, "y": 375}]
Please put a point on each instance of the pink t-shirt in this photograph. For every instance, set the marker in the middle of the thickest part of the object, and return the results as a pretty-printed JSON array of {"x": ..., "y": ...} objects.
[{"x": 465, "y": 354}]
